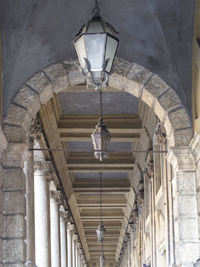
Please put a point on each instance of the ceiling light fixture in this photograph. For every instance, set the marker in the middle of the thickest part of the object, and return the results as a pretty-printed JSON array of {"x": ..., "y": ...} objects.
[
  {"x": 96, "y": 46},
  {"x": 101, "y": 136}
]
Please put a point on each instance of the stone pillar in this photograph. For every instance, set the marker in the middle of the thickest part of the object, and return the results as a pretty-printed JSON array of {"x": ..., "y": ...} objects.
[
  {"x": 187, "y": 249},
  {"x": 70, "y": 230},
  {"x": 42, "y": 215},
  {"x": 55, "y": 229},
  {"x": 13, "y": 205},
  {"x": 30, "y": 213},
  {"x": 63, "y": 238}
]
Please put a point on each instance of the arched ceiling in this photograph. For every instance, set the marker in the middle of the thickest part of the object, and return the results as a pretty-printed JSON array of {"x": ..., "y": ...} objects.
[{"x": 155, "y": 34}]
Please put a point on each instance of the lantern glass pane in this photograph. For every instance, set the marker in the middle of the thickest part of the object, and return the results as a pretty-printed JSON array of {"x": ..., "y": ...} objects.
[
  {"x": 95, "y": 27},
  {"x": 95, "y": 48},
  {"x": 111, "y": 47},
  {"x": 81, "y": 51}
]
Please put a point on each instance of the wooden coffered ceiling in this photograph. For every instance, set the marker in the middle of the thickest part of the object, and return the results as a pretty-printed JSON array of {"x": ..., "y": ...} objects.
[{"x": 79, "y": 172}]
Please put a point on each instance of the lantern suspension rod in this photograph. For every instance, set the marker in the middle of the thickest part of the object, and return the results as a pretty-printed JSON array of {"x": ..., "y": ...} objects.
[
  {"x": 96, "y": 9},
  {"x": 100, "y": 198},
  {"x": 100, "y": 104}
]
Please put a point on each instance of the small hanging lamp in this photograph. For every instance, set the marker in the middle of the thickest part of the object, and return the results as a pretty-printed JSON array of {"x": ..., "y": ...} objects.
[
  {"x": 100, "y": 230},
  {"x": 101, "y": 136},
  {"x": 102, "y": 260},
  {"x": 96, "y": 46}
]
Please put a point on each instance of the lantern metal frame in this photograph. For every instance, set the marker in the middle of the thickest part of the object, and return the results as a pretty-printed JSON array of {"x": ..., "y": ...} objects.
[
  {"x": 197, "y": 263},
  {"x": 87, "y": 72}
]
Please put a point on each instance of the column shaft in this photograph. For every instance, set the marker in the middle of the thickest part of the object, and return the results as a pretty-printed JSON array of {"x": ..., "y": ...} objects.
[
  {"x": 69, "y": 245},
  {"x": 55, "y": 232},
  {"x": 63, "y": 242},
  {"x": 42, "y": 220}
]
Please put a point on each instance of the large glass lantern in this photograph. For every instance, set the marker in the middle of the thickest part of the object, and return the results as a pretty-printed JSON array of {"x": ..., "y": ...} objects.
[
  {"x": 100, "y": 232},
  {"x": 101, "y": 139},
  {"x": 197, "y": 264},
  {"x": 96, "y": 45}
]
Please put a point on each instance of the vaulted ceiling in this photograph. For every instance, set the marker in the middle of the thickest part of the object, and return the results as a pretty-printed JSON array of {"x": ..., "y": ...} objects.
[{"x": 156, "y": 34}]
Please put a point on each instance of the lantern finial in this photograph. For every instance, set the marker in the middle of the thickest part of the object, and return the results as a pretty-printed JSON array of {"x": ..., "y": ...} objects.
[{"x": 96, "y": 10}]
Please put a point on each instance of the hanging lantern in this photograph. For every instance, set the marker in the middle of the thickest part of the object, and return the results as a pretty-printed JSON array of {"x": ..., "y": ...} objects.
[
  {"x": 102, "y": 260},
  {"x": 101, "y": 139},
  {"x": 100, "y": 232},
  {"x": 197, "y": 264},
  {"x": 96, "y": 45}
]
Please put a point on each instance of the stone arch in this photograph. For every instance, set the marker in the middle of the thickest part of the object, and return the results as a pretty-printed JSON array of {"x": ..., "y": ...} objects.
[{"x": 128, "y": 77}]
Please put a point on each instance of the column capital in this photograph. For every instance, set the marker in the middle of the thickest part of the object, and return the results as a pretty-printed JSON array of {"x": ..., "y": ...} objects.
[
  {"x": 181, "y": 159},
  {"x": 35, "y": 130},
  {"x": 43, "y": 168},
  {"x": 55, "y": 195},
  {"x": 75, "y": 237},
  {"x": 64, "y": 215},
  {"x": 149, "y": 170},
  {"x": 161, "y": 134},
  {"x": 70, "y": 226},
  {"x": 78, "y": 244}
]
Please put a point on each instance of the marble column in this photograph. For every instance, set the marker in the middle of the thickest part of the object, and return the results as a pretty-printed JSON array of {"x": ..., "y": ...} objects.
[
  {"x": 30, "y": 213},
  {"x": 74, "y": 249},
  {"x": 63, "y": 237},
  {"x": 78, "y": 250},
  {"x": 55, "y": 229},
  {"x": 70, "y": 230},
  {"x": 42, "y": 215}
]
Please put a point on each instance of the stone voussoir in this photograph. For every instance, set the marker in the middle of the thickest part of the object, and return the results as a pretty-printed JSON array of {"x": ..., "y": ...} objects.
[
  {"x": 28, "y": 99},
  {"x": 58, "y": 75},
  {"x": 18, "y": 116},
  {"x": 14, "y": 134},
  {"x": 183, "y": 137},
  {"x": 4, "y": 141},
  {"x": 75, "y": 76},
  {"x": 155, "y": 86},
  {"x": 169, "y": 100},
  {"x": 42, "y": 85},
  {"x": 179, "y": 119},
  {"x": 122, "y": 67}
]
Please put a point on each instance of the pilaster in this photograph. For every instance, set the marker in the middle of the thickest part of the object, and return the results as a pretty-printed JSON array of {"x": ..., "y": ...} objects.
[
  {"x": 187, "y": 249},
  {"x": 13, "y": 205}
]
